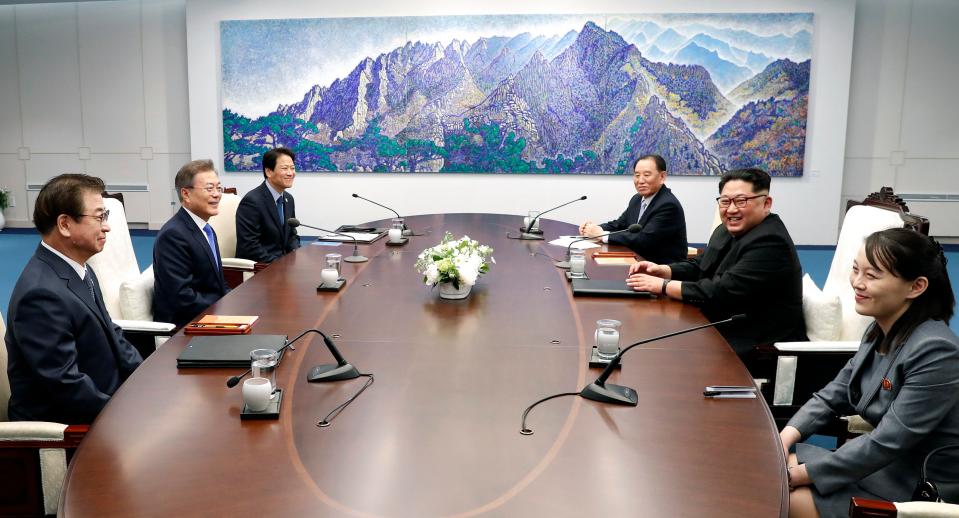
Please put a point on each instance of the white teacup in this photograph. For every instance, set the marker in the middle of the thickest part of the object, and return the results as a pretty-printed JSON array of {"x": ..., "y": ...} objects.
[
  {"x": 256, "y": 394},
  {"x": 396, "y": 235},
  {"x": 329, "y": 276}
]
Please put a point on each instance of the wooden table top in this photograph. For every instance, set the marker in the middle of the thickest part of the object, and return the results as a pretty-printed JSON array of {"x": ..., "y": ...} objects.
[{"x": 437, "y": 434}]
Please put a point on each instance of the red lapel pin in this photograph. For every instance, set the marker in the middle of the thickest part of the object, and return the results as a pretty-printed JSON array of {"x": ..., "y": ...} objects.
[{"x": 886, "y": 384}]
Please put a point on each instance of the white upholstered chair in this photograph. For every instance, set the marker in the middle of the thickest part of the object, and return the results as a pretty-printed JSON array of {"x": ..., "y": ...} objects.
[
  {"x": 832, "y": 324},
  {"x": 31, "y": 451},
  {"x": 127, "y": 292},
  {"x": 235, "y": 270}
]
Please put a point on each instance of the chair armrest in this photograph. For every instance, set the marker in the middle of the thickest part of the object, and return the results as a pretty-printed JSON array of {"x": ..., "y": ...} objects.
[
  {"x": 857, "y": 425},
  {"x": 926, "y": 510},
  {"x": 146, "y": 326},
  {"x": 865, "y": 508},
  {"x": 817, "y": 347},
  {"x": 40, "y": 434},
  {"x": 236, "y": 270},
  {"x": 240, "y": 264}
]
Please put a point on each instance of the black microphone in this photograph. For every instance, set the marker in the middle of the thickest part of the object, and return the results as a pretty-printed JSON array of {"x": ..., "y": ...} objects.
[
  {"x": 355, "y": 258},
  {"x": 525, "y": 232},
  {"x": 604, "y": 392},
  {"x": 635, "y": 228},
  {"x": 232, "y": 382},
  {"x": 406, "y": 230},
  {"x": 341, "y": 370}
]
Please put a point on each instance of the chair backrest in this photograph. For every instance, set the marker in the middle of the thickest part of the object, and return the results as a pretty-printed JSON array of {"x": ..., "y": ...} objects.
[
  {"x": 224, "y": 224},
  {"x": 860, "y": 222},
  {"x": 117, "y": 262},
  {"x": 4, "y": 381},
  {"x": 717, "y": 220}
]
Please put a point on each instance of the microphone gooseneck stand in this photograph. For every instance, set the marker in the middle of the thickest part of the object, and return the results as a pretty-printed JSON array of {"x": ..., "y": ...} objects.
[
  {"x": 406, "y": 230},
  {"x": 527, "y": 233},
  {"x": 604, "y": 392},
  {"x": 355, "y": 258},
  {"x": 635, "y": 228}
]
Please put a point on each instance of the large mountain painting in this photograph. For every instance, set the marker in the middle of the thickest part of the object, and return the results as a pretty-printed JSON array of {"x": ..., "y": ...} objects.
[{"x": 519, "y": 94}]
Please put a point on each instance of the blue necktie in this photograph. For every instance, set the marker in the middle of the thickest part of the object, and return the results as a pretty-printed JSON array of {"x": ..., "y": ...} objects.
[
  {"x": 279, "y": 209},
  {"x": 642, "y": 209},
  {"x": 211, "y": 239}
]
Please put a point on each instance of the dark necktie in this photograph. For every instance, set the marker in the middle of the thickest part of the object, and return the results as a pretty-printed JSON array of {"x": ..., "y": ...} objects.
[
  {"x": 88, "y": 280},
  {"x": 279, "y": 209}
]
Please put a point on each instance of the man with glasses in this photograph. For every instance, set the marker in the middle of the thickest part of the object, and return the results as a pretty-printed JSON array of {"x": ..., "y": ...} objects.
[
  {"x": 262, "y": 234},
  {"x": 750, "y": 266},
  {"x": 188, "y": 272},
  {"x": 66, "y": 356},
  {"x": 663, "y": 237}
]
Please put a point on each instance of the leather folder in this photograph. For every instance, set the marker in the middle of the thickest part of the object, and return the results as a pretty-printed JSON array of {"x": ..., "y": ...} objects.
[
  {"x": 605, "y": 288},
  {"x": 226, "y": 351}
]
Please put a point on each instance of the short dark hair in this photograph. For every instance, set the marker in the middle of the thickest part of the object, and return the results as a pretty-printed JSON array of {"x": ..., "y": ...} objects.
[
  {"x": 63, "y": 195},
  {"x": 660, "y": 162},
  {"x": 757, "y": 177},
  {"x": 907, "y": 254},
  {"x": 269, "y": 158},
  {"x": 184, "y": 177}
]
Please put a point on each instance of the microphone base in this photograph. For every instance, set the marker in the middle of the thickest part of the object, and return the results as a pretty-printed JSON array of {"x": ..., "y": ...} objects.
[
  {"x": 562, "y": 264},
  {"x": 407, "y": 232},
  {"x": 610, "y": 393},
  {"x": 355, "y": 259},
  {"x": 528, "y": 236},
  {"x": 332, "y": 372}
]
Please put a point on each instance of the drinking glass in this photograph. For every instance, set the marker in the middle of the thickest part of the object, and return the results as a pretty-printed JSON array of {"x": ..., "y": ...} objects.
[
  {"x": 264, "y": 366},
  {"x": 396, "y": 230},
  {"x": 577, "y": 264},
  {"x": 532, "y": 215},
  {"x": 607, "y": 338}
]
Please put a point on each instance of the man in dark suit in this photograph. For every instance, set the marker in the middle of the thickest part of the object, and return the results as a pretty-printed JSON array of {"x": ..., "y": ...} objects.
[
  {"x": 663, "y": 237},
  {"x": 750, "y": 266},
  {"x": 262, "y": 234},
  {"x": 66, "y": 356},
  {"x": 188, "y": 273}
]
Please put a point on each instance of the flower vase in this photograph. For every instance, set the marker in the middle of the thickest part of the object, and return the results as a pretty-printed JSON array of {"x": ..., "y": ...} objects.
[
  {"x": 3, "y": 221},
  {"x": 447, "y": 291}
]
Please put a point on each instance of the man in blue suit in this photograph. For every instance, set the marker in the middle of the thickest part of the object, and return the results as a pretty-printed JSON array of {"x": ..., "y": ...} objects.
[
  {"x": 66, "y": 355},
  {"x": 188, "y": 273},
  {"x": 262, "y": 234},
  {"x": 663, "y": 237}
]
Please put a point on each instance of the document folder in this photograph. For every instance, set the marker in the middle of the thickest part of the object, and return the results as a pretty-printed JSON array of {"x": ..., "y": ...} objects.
[
  {"x": 226, "y": 351},
  {"x": 605, "y": 288},
  {"x": 221, "y": 325}
]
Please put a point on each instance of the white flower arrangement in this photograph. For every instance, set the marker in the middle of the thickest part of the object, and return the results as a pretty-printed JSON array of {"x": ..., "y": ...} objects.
[{"x": 458, "y": 261}]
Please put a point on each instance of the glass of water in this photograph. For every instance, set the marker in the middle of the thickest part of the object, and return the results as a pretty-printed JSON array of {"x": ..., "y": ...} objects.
[
  {"x": 577, "y": 264},
  {"x": 264, "y": 366},
  {"x": 607, "y": 338}
]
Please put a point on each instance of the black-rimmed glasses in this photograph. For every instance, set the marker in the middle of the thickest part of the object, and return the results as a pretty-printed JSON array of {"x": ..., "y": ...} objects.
[{"x": 739, "y": 201}]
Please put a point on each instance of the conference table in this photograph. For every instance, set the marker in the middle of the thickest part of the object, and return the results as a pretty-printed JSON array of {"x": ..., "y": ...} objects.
[{"x": 437, "y": 434}]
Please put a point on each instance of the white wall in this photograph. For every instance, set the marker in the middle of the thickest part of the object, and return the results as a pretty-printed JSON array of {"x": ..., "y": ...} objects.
[
  {"x": 112, "y": 77},
  {"x": 903, "y": 111},
  {"x": 329, "y": 194},
  {"x": 94, "y": 87}
]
